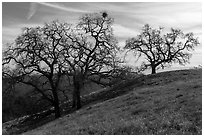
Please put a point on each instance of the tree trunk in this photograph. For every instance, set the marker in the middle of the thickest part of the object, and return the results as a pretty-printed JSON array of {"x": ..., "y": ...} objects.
[
  {"x": 76, "y": 101},
  {"x": 57, "y": 110},
  {"x": 56, "y": 104},
  {"x": 74, "y": 98},
  {"x": 153, "y": 69}
]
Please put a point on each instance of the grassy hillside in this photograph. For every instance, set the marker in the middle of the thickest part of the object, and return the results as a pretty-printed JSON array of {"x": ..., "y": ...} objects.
[
  {"x": 17, "y": 102},
  {"x": 164, "y": 103}
]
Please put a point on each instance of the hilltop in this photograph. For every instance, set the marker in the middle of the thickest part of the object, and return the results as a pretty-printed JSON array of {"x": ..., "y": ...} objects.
[{"x": 163, "y": 103}]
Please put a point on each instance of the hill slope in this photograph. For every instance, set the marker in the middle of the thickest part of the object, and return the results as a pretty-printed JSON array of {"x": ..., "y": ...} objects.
[{"x": 165, "y": 103}]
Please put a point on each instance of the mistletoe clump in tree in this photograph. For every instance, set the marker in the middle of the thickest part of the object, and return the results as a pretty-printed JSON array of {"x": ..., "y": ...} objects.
[
  {"x": 92, "y": 52},
  {"x": 41, "y": 56}
]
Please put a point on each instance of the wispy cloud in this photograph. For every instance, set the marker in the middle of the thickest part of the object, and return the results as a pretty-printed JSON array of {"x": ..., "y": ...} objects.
[
  {"x": 121, "y": 31},
  {"x": 11, "y": 32},
  {"x": 60, "y": 7},
  {"x": 32, "y": 10},
  {"x": 129, "y": 17}
]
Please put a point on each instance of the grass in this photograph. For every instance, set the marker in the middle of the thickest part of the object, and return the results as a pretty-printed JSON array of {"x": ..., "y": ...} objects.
[
  {"x": 16, "y": 102},
  {"x": 165, "y": 103}
]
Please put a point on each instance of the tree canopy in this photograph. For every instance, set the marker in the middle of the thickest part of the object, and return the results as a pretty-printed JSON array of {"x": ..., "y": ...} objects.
[
  {"x": 58, "y": 49},
  {"x": 160, "y": 50},
  {"x": 92, "y": 52}
]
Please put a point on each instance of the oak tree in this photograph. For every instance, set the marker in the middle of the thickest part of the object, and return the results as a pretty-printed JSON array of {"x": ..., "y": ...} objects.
[
  {"x": 90, "y": 51},
  {"x": 41, "y": 56},
  {"x": 160, "y": 50},
  {"x": 35, "y": 59}
]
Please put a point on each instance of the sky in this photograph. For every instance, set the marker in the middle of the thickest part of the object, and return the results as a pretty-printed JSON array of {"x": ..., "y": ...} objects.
[{"x": 129, "y": 18}]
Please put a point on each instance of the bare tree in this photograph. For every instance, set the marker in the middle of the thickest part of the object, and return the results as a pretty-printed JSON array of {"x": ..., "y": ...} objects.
[
  {"x": 41, "y": 56},
  {"x": 36, "y": 60},
  {"x": 161, "y": 50},
  {"x": 90, "y": 51}
]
